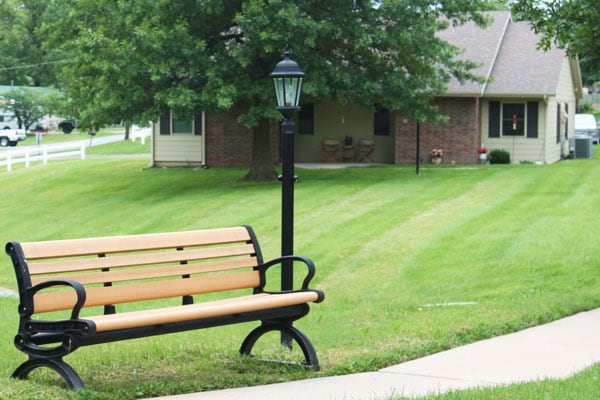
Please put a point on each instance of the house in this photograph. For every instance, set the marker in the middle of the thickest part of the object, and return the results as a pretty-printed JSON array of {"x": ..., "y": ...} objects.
[{"x": 525, "y": 106}]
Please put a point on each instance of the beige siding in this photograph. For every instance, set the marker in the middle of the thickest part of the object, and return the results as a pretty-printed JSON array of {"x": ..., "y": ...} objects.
[
  {"x": 565, "y": 94},
  {"x": 177, "y": 149},
  {"x": 520, "y": 148},
  {"x": 545, "y": 148},
  {"x": 552, "y": 148},
  {"x": 335, "y": 121}
]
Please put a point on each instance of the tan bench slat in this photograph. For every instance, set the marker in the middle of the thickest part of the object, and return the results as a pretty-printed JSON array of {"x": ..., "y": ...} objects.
[
  {"x": 116, "y": 244},
  {"x": 130, "y": 260},
  {"x": 64, "y": 300},
  {"x": 156, "y": 272},
  {"x": 210, "y": 309}
]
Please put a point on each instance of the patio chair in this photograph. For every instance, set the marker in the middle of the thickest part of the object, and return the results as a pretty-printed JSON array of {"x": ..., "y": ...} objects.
[
  {"x": 364, "y": 150},
  {"x": 329, "y": 150}
]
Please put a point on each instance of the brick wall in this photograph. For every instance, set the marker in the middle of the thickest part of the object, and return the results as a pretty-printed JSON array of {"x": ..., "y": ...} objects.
[
  {"x": 460, "y": 136},
  {"x": 230, "y": 144}
]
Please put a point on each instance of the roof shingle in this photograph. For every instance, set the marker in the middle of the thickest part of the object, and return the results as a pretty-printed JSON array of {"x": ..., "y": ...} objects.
[{"x": 509, "y": 57}]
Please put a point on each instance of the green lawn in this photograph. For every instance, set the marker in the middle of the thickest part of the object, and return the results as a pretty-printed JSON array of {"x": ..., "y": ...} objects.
[
  {"x": 59, "y": 136},
  {"x": 121, "y": 147},
  {"x": 583, "y": 386},
  {"x": 517, "y": 242}
]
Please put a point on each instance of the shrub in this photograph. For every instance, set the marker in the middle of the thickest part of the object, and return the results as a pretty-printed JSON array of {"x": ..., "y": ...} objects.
[
  {"x": 586, "y": 109},
  {"x": 499, "y": 157}
]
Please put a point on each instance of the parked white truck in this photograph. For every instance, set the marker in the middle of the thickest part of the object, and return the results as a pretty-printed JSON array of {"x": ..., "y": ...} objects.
[
  {"x": 10, "y": 137},
  {"x": 586, "y": 125}
]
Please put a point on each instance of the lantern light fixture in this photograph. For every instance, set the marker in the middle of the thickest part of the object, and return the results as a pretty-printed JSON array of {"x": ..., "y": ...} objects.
[{"x": 287, "y": 79}]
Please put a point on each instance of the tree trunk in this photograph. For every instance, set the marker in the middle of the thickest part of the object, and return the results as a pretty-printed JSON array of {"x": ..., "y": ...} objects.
[{"x": 261, "y": 167}]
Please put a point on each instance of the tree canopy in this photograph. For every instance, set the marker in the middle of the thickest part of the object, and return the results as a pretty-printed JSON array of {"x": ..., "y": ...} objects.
[
  {"x": 24, "y": 61},
  {"x": 130, "y": 59}
]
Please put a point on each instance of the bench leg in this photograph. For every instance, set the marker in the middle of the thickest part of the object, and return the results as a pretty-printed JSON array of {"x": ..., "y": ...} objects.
[
  {"x": 310, "y": 356},
  {"x": 71, "y": 378}
]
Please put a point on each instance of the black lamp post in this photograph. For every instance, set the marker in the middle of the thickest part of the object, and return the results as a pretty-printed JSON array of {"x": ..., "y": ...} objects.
[{"x": 287, "y": 78}]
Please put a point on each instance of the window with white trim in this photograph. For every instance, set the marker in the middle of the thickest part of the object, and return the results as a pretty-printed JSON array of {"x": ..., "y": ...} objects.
[
  {"x": 169, "y": 125},
  {"x": 513, "y": 119}
]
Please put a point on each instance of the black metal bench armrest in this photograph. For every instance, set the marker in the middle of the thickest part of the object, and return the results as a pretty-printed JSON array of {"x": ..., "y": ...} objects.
[
  {"x": 307, "y": 261},
  {"x": 27, "y": 309}
]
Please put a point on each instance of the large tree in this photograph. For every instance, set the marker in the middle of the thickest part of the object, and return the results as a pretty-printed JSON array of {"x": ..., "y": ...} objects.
[
  {"x": 133, "y": 58},
  {"x": 571, "y": 24}
]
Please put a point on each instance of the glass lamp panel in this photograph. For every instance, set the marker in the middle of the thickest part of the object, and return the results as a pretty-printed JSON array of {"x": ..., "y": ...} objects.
[
  {"x": 279, "y": 91},
  {"x": 298, "y": 92},
  {"x": 290, "y": 86}
]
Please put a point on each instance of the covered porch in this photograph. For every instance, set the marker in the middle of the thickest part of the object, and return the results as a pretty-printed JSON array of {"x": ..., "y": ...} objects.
[{"x": 328, "y": 132}]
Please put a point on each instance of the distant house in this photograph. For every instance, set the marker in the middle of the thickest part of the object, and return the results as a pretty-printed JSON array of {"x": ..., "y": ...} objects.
[{"x": 525, "y": 107}]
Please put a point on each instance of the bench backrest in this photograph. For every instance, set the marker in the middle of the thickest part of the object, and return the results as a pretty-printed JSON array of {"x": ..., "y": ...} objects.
[{"x": 121, "y": 269}]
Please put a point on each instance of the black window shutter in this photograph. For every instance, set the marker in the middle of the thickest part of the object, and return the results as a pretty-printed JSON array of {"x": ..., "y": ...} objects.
[
  {"x": 557, "y": 122},
  {"x": 165, "y": 122},
  {"x": 306, "y": 119},
  {"x": 198, "y": 124},
  {"x": 532, "y": 119},
  {"x": 494, "y": 120}
]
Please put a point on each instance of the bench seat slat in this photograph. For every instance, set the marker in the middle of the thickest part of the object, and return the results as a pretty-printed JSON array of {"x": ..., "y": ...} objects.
[
  {"x": 114, "y": 276},
  {"x": 210, "y": 309},
  {"x": 131, "y": 260},
  {"x": 117, "y": 244},
  {"x": 97, "y": 296}
]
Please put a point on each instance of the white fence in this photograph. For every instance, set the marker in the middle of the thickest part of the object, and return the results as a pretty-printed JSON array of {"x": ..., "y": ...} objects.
[
  {"x": 42, "y": 153},
  {"x": 140, "y": 133}
]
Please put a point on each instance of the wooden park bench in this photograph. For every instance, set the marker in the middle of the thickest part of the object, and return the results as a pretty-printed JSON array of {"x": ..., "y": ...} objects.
[{"x": 88, "y": 278}]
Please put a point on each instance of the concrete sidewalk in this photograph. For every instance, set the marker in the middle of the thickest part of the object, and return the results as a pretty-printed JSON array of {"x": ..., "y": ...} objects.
[{"x": 555, "y": 350}]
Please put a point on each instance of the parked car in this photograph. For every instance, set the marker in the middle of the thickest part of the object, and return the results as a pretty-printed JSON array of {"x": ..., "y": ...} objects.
[
  {"x": 67, "y": 126},
  {"x": 10, "y": 137},
  {"x": 586, "y": 125}
]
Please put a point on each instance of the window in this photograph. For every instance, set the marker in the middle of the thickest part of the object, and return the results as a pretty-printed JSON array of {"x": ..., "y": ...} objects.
[
  {"x": 170, "y": 125},
  {"x": 180, "y": 126},
  {"x": 306, "y": 119},
  {"x": 513, "y": 119},
  {"x": 562, "y": 122},
  {"x": 566, "y": 120},
  {"x": 381, "y": 121}
]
